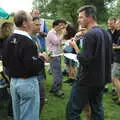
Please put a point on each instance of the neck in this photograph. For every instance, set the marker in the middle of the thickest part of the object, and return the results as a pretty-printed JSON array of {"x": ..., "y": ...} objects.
[
  {"x": 92, "y": 24},
  {"x": 24, "y": 29}
]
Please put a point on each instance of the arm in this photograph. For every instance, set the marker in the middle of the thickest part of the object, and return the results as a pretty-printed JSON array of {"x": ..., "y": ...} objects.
[
  {"x": 74, "y": 45},
  {"x": 86, "y": 55},
  {"x": 31, "y": 60},
  {"x": 77, "y": 36}
]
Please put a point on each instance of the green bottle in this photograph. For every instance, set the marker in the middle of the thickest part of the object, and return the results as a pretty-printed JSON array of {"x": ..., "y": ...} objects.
[{"x": 50, "y": 54}]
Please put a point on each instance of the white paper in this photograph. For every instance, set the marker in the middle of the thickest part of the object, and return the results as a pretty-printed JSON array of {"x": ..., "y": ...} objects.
[
  {"x": 55, "y": 55},
  {"x": 71, "y": 56},
  {"x": 47, "y": 64},
  {"x": 1, "y": 66}
]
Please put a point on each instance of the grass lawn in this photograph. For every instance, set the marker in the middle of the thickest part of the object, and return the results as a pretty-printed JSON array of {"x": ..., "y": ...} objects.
[{"x": 55, "y": 107}]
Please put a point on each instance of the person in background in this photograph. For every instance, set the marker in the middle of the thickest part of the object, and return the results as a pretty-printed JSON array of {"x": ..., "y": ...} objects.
[
  {"x": 43, "y": 29},
  {"x": 54, "y": 47},
  {"x": 5, "y": 31},
  {"x": 42, "y": 75},
  {"x": 94, "y": 70},
  {"x": 116, "y": 63},
  {"x": 111, "y": 27},
  {"x": 70, "y": 64},
  {"x": 112, "y": 30},
  {"x": 24, "y": 64}
]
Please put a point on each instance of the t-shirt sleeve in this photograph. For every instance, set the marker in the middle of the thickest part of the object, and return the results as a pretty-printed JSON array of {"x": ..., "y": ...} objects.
[{"x": 85, "y": 56}]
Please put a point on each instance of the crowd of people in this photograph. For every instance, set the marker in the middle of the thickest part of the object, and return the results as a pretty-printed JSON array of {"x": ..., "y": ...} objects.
[{"x": 27, "y": 45}]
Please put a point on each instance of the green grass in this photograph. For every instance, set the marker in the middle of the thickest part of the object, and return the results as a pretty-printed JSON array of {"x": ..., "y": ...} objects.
[{"x": 54, "y": 109}]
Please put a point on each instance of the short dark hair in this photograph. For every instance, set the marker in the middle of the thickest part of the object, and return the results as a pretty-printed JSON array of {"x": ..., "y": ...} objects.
[
  {"x": 71, "y": 31},
  {"x": 112, "y": 19},
  {"x": 90, "y": 10},
  {"x": 20, "y": 17},
  {"x": 57, "y": 22}
]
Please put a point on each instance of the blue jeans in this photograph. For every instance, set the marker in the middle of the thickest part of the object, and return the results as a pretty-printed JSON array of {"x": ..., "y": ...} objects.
[
  {"x": 25, "y": 98},
  {"x": 82, "y": 95},
  {"x": 55, "y": 66}
]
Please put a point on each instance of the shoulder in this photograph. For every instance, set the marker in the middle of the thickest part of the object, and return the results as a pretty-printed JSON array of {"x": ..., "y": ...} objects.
[
  {"x": 21, "y": 39},
  {"x": 52, "y": 31},
  {"x": 96, "y": 31},
  {"x": 118, "y": 32}
]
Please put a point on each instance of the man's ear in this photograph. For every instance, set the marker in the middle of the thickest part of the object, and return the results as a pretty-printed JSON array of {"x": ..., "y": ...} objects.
[
  {"x": 24, "y": 24},
  {"x": 90, "y": 18}
]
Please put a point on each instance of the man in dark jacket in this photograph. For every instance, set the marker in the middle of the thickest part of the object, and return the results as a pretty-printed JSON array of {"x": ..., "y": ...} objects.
[
  {"x": 111, "y": 27},
  {"x": 94, "y": 70},
  {"x": 116, "y": 63},
  {"x": 113, "y": 32},
  {"x": 23, "y": 63}
]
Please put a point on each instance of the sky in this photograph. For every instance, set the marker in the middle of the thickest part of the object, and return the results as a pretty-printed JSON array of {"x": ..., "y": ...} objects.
[{"x": 15, "y": 5}]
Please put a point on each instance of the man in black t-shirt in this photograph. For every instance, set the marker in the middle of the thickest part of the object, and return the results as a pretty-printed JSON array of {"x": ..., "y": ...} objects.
[
  {"x": 113, "y": 32},
  {"x": 94, "y": 70},
  {"x": 111, "y": 27},
  {"x": 116, "y": 63}
]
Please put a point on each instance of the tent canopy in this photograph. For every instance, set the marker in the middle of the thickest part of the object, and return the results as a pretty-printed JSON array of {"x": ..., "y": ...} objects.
[{"x": 3, "y": 13}]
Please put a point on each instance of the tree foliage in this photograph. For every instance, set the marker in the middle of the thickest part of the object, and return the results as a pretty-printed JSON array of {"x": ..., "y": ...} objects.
[
  {"x": 114, "y": 9},
  {"x": 41, "y": 5},
  {"x": 67, "y": 9}
]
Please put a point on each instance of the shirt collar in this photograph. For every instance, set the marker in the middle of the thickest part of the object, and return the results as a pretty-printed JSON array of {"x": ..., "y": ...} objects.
[{"x": 22, "y": 33}]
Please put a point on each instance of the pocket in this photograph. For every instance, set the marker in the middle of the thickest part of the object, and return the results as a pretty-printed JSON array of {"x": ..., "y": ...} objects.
[{"x": 26, "y": 90}]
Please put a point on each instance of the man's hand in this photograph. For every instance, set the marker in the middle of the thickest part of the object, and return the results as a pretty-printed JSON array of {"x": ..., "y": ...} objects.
[
  {"x": 44, "y": 54},
  {"x": 43, "y": 34},
  {"x": 79, "y": 34},
  {"x": 72, "y": 43}
]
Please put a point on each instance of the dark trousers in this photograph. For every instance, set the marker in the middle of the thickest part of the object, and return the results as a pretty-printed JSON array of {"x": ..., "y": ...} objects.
[
  {"x": 82, "y": 95},
  {"x": 55, "y": 66},
  {"x": 10, "y": 110},
  {"x": 42, "y": 95}
]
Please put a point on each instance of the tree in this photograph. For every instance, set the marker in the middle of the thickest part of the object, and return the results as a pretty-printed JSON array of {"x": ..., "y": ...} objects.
[
  {"x": 41, "y": 5},
  {"x": 114, "y": 9},
  {"x": 67, "y": 9}
]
